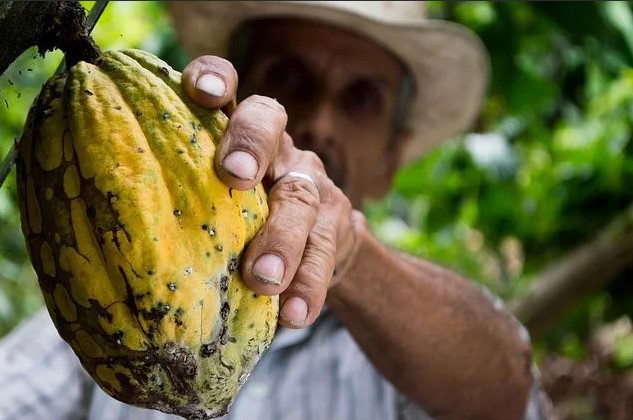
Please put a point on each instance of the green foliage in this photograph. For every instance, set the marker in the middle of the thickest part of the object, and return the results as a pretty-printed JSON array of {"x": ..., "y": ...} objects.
[{"x": 554, "y": 161}]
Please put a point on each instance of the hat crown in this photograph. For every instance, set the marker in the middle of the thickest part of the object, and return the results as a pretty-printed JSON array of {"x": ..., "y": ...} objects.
[{"x": 394, "y": 11}]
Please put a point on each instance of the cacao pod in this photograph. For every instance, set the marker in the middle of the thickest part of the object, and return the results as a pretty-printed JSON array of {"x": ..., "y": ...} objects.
[{"x": 136, "y": 242}]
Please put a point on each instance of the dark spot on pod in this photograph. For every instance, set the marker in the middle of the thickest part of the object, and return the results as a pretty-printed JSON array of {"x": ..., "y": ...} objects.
[
  {"x": 140, "y": 296},
  {"x": 178, "y": 317},
  {"x": 232, "y": 265},
  {"x": 164, "y": 70},
  {"x": 193, "y": 139},
  {"x": 155, "y": 239},
  {"x": 205, "y": 227},
  {"x": 194, "y": 126},
  {"x": 180, "y": 151},
  {"x": 150, "y": 272},
  {"x": 156, "y": 381},
  {"x": 207, "y": 350},
  {"x": 255, "y": 216},
  {"x": 111, "y": 196},
  {"x": 177, "y": 212},
  {"x": 208, "y": 254},
  {"x": 224, "y": 335},
  {"x": 230, "y": 192},
  {"x": 10, "y": 82},
  {"x": 232, "y": 340},
  {"x": 224, "y": 284},
  {"x": 138, "y": 113},
  {"x": 255, "y": 295},
  {"x": 213, "y": 207},
  {"x": 29, "y": 69},
  {"x": 219, "y": 247},
  {"x": 118, "y": 337},
  {"x": 251, "y": 325},
  {"x": 118, "y": 107},
  {"x": 140, "y": 150},
  {"x": 224, "y": 311},
  {"x": 99, "y": 310},
  {"x": 19, "y": 95},
  {"x": 165, "y": 116},
  {"x": 172, "y": 286},
  {"x": 92, "y": 212},
  {"x": 6, "y": 103},
  {"x": 158, "y": 312},
  {"x": 88, "y": 92}
]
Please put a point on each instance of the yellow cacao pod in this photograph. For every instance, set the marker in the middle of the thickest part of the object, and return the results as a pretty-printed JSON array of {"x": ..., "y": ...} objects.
[{"x": 136, "y": 242}]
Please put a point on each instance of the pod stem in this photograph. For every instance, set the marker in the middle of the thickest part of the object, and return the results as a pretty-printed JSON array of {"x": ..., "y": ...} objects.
[{"x": 67, "y": 31}]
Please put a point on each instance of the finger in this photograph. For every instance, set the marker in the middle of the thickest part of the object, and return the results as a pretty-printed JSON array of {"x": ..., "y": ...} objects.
[
  {"x": 273, "y": 256},
  {"x": 210, "y": 82},
  {"x": 250, "y": 142},
  {"x": 303, "y": 300}
]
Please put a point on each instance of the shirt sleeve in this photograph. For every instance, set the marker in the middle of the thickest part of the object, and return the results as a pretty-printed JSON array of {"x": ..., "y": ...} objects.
[{"x": 40, "y": 376}]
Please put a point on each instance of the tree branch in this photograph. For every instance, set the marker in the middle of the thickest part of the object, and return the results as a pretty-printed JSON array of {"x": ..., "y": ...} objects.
[
  {"x": 586, "y": 270},
  {"x": 49, "y": 25},
  {"x": 21, "y": 26}
]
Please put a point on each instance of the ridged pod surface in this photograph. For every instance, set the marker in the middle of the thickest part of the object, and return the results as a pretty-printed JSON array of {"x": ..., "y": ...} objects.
[{"x": 136, "y": 242}]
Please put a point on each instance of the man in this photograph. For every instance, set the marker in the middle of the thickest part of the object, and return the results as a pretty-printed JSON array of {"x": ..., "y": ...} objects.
[{"x": 332, "y": 99}]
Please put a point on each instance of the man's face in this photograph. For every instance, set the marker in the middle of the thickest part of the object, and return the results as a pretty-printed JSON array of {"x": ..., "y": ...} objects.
[{"x": 339, "y": 91}]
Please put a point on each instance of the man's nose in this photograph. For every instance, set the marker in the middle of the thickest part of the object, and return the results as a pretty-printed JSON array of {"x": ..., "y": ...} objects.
[{"x": 316, "y": 129}]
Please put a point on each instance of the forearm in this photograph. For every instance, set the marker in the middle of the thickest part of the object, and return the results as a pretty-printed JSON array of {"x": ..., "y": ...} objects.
[{"x": 434, "y": 335}]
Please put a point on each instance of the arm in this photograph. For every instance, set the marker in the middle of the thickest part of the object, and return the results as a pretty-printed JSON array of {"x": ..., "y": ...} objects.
[{"x": 434, "y": 335}]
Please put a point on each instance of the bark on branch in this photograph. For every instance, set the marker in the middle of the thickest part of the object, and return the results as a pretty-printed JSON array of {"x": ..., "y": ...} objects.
[
  {"x": 586, "y": 270},
  {"x": 57, "y": 24}
]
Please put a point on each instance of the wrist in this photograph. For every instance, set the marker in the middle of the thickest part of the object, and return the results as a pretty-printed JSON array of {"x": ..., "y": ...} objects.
[{"x": 356, "y": 275}]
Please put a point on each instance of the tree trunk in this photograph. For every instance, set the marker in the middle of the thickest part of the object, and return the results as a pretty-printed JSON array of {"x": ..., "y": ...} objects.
[{"x": 586, "y": 270}]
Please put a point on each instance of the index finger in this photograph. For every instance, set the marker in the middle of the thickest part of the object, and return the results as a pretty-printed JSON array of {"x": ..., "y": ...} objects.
[{"x": 210, "y": 82}]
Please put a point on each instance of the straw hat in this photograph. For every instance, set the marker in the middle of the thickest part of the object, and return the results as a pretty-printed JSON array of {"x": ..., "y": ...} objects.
[{"x": 448, "y": 62}]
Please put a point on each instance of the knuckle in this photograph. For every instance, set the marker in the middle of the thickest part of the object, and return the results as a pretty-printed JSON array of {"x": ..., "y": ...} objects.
[
  {"x": 269, "y": 104},
  {"x": 312, "y": 159},
  {"x": 296, "y": 191}
]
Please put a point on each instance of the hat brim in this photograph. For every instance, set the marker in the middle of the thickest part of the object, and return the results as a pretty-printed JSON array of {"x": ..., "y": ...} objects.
[{"x": 448, "y": 62}]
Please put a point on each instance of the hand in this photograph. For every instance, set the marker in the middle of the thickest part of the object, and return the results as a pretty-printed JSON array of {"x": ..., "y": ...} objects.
[{"x": 310, "y": 230}]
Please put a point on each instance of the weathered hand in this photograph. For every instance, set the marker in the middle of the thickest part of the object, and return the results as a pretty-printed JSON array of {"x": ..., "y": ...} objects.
[{"x": 310, "y": 231}]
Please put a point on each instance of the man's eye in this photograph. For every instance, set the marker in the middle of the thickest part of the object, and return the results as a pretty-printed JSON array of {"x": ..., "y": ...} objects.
[
  {"x": 287, "y": 79},
  {"x": 362, "y": 98}
]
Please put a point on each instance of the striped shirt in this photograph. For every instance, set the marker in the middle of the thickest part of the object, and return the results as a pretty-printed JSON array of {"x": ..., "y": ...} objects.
[{"x": 316, "y": 373}]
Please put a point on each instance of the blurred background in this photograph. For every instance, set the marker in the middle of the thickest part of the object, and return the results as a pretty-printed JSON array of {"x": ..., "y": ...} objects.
[{"x": 535, "y": 203}]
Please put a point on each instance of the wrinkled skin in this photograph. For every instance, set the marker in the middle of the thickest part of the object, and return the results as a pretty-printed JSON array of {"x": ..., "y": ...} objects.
[{"x": 434, "y": 335}]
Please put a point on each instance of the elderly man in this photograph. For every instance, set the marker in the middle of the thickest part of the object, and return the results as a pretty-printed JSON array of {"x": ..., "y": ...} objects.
[{"x": 332, "y": 98}]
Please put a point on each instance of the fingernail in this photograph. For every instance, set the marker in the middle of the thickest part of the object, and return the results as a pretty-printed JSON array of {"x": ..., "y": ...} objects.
[
  {"x": 269, "y": 269},
  {"x": 211, "y": 85},
  {"x": 241, "y": 165},
  {"x": 295, "y": 311}
]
